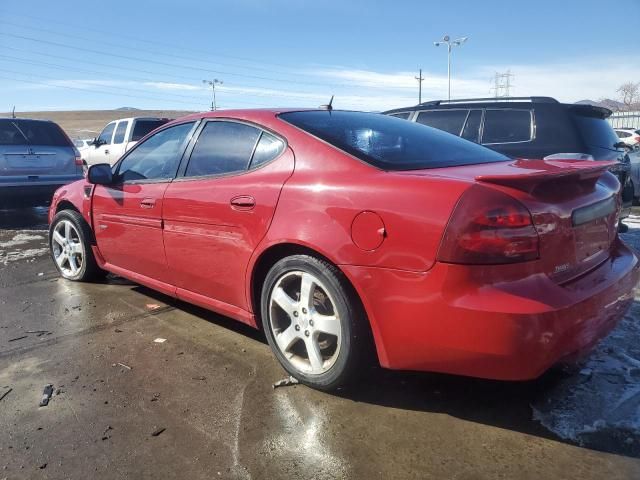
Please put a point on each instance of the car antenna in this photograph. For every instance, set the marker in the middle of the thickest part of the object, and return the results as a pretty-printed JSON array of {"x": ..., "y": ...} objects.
[
  {"x": 328, "y": 106},
  {"x": 13, "y": 112}
]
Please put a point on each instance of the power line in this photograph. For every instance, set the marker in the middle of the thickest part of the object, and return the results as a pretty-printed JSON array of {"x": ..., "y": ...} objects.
[{"x": 156, "y": 62}]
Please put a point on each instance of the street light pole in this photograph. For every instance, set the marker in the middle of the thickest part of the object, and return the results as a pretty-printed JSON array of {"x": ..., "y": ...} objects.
[
  {"x": 446, "y": 40},
  {"x": 213, "y": 84}
]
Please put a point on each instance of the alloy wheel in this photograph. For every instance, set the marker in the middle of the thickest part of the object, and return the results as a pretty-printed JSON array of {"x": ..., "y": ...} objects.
[
  {"x": 305, "y": 322},
  {"x": 68, "y": 251}
]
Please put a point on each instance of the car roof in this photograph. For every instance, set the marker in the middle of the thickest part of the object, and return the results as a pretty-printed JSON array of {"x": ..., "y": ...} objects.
[
  {"x": 501, "y": 102},
  {"x": 29, "y": 119},
  {"x": 249, "y": 114}
]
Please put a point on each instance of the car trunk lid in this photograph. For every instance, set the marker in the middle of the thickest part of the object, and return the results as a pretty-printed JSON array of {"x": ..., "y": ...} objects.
[{"x": 573, "y": 204}]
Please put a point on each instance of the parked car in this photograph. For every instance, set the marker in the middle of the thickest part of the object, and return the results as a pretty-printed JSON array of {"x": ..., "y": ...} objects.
[
  {"x": 36, "y": 158},
  {"x": 629, "y": 136},
  {"x": 530, "y": 127},
  {"x": 118, "y": 137},
  {"x": 335, "y": 230},
  {"x": 81, "y": 144}
]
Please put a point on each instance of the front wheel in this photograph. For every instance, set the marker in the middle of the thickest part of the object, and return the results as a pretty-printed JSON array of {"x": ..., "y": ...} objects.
[
  {"x": 70, "y": 246},
  {"x": 313, "y": 321}
]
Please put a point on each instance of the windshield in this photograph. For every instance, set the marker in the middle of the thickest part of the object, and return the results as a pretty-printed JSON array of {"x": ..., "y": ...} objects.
[
  {"x": 391, "y": 143},
  {"x": 31, "y": 132}
]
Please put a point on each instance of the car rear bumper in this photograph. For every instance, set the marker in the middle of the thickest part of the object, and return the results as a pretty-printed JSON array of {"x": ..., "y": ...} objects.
[
  {"x": 452, "y": 320},
  {"x": 14, "y": 193}
]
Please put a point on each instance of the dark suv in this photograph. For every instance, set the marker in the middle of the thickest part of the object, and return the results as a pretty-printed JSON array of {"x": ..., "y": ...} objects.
[{"x": 530, "y": 127}]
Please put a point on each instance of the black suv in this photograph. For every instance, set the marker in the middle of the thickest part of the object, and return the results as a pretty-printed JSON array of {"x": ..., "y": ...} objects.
[{"x": 530, "y": 127}]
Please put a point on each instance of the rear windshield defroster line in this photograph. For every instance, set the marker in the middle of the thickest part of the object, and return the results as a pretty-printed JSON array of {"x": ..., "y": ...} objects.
[{"x": 390, "y": 143}]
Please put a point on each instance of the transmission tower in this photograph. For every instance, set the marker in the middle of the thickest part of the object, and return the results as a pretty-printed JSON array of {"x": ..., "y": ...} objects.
[{"x": 502, "y": 84}]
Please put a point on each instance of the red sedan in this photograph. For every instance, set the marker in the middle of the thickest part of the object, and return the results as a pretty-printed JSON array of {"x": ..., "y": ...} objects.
[{"x": 335, "y": 230}]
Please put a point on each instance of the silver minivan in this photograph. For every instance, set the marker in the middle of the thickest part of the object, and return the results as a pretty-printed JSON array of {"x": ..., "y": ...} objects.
[{"x": 36, "y": 158}]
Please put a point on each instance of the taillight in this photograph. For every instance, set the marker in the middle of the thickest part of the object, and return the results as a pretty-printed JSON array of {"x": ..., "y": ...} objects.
[
  {"x": 489, "y": 227},
  {"x": 637, "y": 139},
  {"x": 78, "y": 161}
]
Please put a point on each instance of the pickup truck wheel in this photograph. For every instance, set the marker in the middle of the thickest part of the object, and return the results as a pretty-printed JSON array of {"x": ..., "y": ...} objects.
[
  {"x": 313, "y": 322},
  {"x": 70, "y": 246}
]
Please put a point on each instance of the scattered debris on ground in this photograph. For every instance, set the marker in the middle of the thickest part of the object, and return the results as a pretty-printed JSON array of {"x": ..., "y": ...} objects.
[
  {"x": 46, "y": 395},
  {"x": 285, "y": 382},
  {"x": 17, "y": 338},
  {"x": 158, "y": 431},
  {"x": 122, "y": 365},
  {"x": 160, "y": 340}
]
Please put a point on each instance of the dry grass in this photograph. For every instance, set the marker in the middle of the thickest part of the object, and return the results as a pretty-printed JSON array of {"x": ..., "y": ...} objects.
[{"x": 89, "y": 123}]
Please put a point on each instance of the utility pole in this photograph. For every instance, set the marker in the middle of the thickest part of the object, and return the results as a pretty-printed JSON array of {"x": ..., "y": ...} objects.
[
  {"x": 446, "y": 40},
  {"x": 213, "y": 84},
  {"x": 502, "y": 84},
  {"x": 420, "y": 79}
]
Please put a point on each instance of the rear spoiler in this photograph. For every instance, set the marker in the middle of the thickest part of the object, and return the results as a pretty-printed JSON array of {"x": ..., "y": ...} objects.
[{"x": 526, "y": 175}]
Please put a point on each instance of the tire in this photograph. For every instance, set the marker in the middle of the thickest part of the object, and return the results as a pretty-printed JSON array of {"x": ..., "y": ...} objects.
[
  {"x": 80, "y": 264},
  {"x": 333, "y": 322}
]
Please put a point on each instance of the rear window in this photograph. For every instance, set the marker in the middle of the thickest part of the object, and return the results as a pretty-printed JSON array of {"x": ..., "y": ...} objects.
[
  {"x": 32, "y": 132},
  {"x": 595, "y": 130},
  {"x": 403, "y": 115},
  {"x": 390, "y": 143},
  {"x": 448, "y": 120},
  {"x": 142, "y": 127},
  {"x": 507, "y": 126}
]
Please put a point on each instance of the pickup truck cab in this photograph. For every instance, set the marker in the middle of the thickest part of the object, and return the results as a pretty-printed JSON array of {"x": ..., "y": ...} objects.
[{"x": 118, "y": 137}]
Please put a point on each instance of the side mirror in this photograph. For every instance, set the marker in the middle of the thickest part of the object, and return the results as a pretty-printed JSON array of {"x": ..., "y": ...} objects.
[
  {"x": 96, "y": 142},
  {"x": 100, "y": 174}
]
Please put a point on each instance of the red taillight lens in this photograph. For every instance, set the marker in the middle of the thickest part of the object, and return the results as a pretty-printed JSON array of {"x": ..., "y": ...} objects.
[
  {"x": 489, "y": 227},
  {"x": 637, "y": 139},
  {"x": 78, "y": 160}
]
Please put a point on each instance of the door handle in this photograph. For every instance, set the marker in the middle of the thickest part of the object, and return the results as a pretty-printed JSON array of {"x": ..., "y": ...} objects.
[
  {"x": 106, "y": 152},
  {"x": 243, "y": 202},
  {"x": 147, "y": 203}
]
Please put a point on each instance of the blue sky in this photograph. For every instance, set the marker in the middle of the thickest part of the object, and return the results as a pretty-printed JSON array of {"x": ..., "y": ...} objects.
[{"x": 69, "y": 54}]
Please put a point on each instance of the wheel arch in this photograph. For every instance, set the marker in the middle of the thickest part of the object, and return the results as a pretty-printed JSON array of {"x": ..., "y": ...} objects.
[
  {"x": 276, "y": 252},
  {"x": 68, "y": 205}
]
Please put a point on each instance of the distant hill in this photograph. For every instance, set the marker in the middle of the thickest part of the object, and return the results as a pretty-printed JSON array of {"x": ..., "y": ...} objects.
[
  {"x": 605, "y": 102},
  {"x": 89, "y": 123}
]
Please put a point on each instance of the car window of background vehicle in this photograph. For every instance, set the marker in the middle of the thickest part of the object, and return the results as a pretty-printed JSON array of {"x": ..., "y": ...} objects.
[
  {"x": 31, "y": 132},
  {"x": 120, "y": 132},
  {"x": 107, "y": 133},
  {"x": 506, "y": 126},
  {"x": 447, "y": 120},
  {"x": 157, "y": 157},
  {"x": 222, "y": 147}
]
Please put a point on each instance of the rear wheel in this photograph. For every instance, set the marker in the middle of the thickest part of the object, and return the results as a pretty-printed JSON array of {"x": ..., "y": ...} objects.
[
  {"x": 70, "y": 246},
  {"x": 312, "y": 321}
]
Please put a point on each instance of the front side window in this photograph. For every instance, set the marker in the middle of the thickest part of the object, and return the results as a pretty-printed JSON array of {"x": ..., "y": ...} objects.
[
  {"x": 403, "y": 115},
  {"x": 222, "y": 148},
  {"x": 157, "y": 157},
  {"x": 107, "y": 133},
  {"x": 390, "y": 143},
  {"x": 450, "y": 121},
  {"x": 121, "y": 129},
  {"x": 507, "y": 126},
  {"x": 622, "y": 134}
]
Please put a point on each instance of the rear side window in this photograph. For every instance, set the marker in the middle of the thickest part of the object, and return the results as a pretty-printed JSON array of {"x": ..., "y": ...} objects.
[
  {"x": 450, "y": 121},
  {"x": 390, "y": 143},
  {"x": 507, "y": 126},
  {"x": 595, "y": 130},
  {"x": 222, "y": 147},
  {"x": 622, "y": 134},
  {"x": 472, "y": 127},
  {"x": 142, "y": 127},
  {"x": 268, "y": 148},
  {"x": 121, "y": 129},
  {"x": 32, "y": 132}
]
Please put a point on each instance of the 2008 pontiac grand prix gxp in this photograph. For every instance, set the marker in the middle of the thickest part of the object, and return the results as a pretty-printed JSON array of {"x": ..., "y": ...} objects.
[{"x": 334, "y": 229}]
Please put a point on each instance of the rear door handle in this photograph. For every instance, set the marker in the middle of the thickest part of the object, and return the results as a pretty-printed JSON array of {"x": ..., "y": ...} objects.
[
  {"x": 106, "y": 152},
  {"x": 147, "y": 203},
  {"x": 243, "y": 202}
]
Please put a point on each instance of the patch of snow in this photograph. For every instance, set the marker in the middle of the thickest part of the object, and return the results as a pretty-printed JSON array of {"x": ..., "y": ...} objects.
[{"x": 20, "y": 239}]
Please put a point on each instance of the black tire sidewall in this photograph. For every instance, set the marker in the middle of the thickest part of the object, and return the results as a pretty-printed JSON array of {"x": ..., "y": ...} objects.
[{"x": 341, "y": 370}]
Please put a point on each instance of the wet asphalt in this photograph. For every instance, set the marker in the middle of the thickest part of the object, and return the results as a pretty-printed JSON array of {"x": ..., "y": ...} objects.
[{"x": 201, "y": 404}]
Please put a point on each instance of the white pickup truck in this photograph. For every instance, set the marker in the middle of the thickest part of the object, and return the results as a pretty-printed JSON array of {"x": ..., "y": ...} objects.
[{"x": 118, "y": 137}]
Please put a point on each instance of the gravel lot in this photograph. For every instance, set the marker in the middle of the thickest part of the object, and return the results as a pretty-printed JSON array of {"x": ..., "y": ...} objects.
[{"x": 209, "y": 386}]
